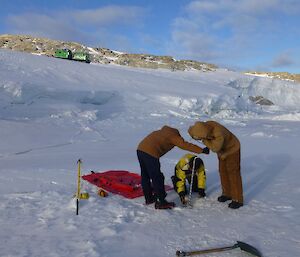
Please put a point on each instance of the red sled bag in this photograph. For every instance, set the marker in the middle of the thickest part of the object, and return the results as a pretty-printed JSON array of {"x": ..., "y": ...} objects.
[{"x": 121, "y": 182}]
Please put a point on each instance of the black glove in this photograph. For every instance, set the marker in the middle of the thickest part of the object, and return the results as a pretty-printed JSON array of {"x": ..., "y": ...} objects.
[
  {"x": 205, "y": 150},
  {"x": 201, "y": 193}
]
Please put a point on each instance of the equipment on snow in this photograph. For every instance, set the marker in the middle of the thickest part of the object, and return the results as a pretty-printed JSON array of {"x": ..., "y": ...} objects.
[
  {"x": 191, "y": 184},
  {"x": 84, "y": 196},
  {"x": 78, "y": 194},
  {"x": 119, "y": 182},
  {"x": 243, "y": 246},
  {"x": 78, "y": 187},
  {"x": 102, "y": 193}
]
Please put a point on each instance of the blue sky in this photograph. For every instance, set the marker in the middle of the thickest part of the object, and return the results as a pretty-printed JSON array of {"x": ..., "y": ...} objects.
[{"x": 238, "y": 34}]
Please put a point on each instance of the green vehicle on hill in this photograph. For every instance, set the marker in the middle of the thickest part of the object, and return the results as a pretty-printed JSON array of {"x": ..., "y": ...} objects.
[{"x": 75, "y": 56}]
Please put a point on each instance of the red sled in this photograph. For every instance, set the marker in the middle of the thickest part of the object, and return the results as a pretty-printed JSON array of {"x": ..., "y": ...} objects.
[{"x": 119, "y": 182}]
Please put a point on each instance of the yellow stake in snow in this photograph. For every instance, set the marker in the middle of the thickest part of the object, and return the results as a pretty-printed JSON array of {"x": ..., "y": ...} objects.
[
  {"x": 78, "y": 188},
  {"x": 78, "y": 194},
  {"x": 78, "y": 181}
]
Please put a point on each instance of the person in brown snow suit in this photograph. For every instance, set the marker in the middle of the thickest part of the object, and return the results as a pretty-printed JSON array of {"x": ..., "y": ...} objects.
[
  {"x": 149, "y": 150},
  {"x": 226, "y": 145}
]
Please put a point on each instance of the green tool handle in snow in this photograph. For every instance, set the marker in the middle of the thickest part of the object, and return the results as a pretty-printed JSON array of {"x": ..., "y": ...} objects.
[
  {"x": 191, "y": 253},
  {"x": 243, "y": 246}
]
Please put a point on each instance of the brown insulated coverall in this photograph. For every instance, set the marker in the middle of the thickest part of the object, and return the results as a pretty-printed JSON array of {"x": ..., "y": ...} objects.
[
  {"x": 221, "y": 141},
  {"x": 162, "y": 141}
]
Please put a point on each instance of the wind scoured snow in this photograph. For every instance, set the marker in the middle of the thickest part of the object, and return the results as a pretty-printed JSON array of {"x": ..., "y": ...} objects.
[{"x": 53, "y": 112}]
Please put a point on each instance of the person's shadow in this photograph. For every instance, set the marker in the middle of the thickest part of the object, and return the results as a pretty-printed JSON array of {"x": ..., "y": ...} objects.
[
  {"x": 258, "y": 172},
  {"x": 213, "y": 182}
]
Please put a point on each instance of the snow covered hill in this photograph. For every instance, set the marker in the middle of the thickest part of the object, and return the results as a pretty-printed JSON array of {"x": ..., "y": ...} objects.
[{"x": 53, "y": 112}]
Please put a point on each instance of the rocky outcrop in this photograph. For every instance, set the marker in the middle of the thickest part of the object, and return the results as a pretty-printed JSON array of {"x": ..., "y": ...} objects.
[
  {"x": 47, "y": 47},
  {"x": 260, "y": 100},
  {"x": 36, "y": 45},
  {"x": 277, "y": 75}
]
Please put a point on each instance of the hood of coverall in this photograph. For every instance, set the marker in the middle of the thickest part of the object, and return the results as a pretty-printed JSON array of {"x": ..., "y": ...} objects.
[{"x": 199, "y": 130}]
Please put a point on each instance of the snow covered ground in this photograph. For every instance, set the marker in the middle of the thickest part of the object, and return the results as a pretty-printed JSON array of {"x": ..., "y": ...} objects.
[{"x": 53, "y": 112}]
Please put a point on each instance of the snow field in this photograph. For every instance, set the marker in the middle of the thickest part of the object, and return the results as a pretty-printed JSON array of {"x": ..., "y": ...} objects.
[{"x": 53, "y": 112}]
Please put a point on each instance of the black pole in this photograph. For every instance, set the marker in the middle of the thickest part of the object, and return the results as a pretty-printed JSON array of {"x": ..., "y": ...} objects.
[{"x": 77, "y": 206}]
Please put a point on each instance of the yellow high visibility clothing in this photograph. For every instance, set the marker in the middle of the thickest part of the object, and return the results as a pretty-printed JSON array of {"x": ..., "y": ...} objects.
[{"x": 183, "y": 172}]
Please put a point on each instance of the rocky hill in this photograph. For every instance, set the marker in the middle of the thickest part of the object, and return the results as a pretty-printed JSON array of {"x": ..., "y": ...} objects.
[
  {"x": 44, "y": 46},
  {"x": 47, "y": 47},
  {"x": 278, "y": 75}
]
